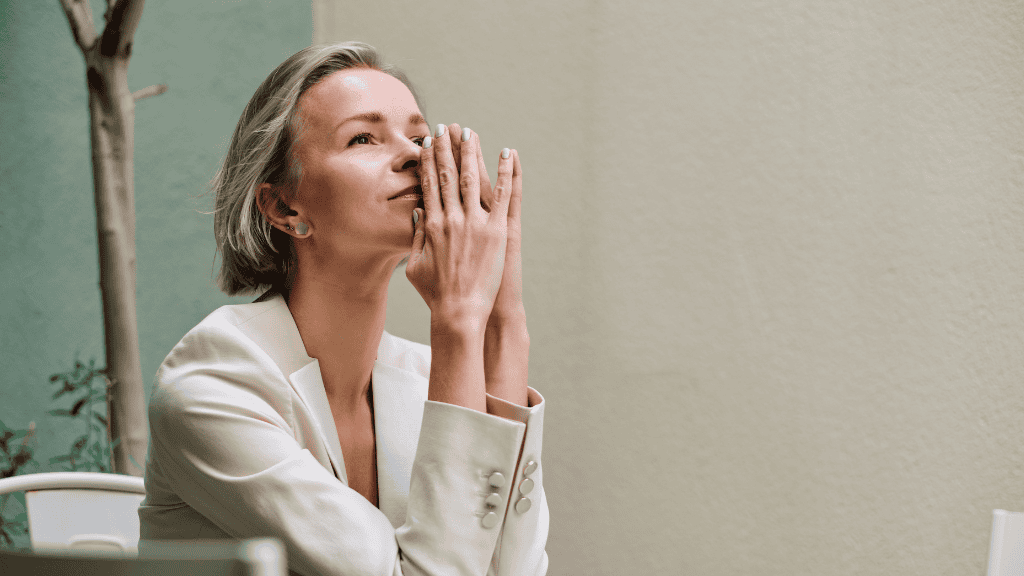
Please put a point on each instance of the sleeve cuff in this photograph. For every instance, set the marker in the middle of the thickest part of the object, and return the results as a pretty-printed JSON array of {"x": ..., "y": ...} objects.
[{"x": 505, "y": 409}]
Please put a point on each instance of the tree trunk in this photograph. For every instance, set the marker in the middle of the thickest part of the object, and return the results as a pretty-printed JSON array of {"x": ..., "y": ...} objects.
[{"x": 112, "y": 116}]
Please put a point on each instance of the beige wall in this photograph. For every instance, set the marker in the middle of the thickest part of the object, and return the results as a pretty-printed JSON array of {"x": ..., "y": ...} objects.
[{"x": 775, "y": 268}]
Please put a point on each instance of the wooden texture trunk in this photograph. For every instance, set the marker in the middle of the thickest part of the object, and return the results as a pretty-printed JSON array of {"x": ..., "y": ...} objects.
[{"x": 112, "y": 116}]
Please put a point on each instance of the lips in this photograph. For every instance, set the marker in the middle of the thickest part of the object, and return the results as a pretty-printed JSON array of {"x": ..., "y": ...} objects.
[{"x": 412, "y": 192}]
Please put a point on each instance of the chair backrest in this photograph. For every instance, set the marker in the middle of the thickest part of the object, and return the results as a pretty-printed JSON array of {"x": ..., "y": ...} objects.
[
  {"x": 80, "y": 510},
  {"x": 259, "y": 557},
  {"x": 1006, "y": 552}
]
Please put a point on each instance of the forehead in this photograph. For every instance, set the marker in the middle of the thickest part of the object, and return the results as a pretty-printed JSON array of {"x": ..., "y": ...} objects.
[{"x": 356, "y": 91}]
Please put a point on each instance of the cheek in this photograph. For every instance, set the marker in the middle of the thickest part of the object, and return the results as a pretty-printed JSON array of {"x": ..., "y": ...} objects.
[
  {"x": 355, "y": 172},
  {"x": 345, "y": 193}
]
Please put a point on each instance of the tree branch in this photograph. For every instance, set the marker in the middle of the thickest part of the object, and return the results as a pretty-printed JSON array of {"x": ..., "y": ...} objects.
[
  {"x": 120, "y": 28},
  {"x": 80, "y": 19},
  {"x": 154, "y": 90}
]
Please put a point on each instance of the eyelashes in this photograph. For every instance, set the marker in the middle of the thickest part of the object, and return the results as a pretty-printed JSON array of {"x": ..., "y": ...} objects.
[{"x": 364, "y": 138}]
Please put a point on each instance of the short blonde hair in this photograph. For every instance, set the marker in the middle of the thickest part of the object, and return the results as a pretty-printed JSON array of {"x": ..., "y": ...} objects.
[{"x": 256, "y": 256}]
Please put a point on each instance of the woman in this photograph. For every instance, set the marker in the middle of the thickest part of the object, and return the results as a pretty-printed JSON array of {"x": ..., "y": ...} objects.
[{"x": 297, "y": 416}]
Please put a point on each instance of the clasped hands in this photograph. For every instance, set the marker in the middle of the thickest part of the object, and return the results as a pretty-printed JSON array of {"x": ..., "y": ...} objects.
[{"x": 466, "y": 258}]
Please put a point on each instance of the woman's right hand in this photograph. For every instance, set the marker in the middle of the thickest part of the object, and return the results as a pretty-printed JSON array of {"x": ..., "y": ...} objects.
[{"x": 458, "y": 249}]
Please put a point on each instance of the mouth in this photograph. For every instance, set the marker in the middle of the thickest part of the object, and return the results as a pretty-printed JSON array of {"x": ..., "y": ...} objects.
[{"x": 412, "y": 192}]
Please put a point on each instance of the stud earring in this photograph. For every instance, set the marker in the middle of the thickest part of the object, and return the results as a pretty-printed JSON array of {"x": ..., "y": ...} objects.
[{"x": 301, "y": 228}]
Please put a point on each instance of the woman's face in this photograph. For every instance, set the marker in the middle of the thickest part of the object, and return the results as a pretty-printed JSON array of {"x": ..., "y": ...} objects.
[{"x": 359, "y": 136}]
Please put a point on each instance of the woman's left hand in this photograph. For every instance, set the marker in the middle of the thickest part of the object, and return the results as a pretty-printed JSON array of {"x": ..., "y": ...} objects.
[
  {"x": 508, "y": 305},
  {"x": 506, "y": 341}
]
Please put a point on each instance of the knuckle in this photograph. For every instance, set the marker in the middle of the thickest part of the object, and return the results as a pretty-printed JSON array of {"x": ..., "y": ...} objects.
[
  {"x": 445, "y": 176},
  {"x": 434, "y": 228},
  {"x": 427, "y": 178},
  {"x": 467, "y": 180},
  {"x": 500, "y": 191}
]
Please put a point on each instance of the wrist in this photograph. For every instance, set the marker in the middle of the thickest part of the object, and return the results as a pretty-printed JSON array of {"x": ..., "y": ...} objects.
[
  {"x": 456, "y": 366},
  {"x": 502, "y": 337},
  {"x": 456, "y": 327},
  {"x": 507, "y": 360},
  {"x": 507, "y": 319}
]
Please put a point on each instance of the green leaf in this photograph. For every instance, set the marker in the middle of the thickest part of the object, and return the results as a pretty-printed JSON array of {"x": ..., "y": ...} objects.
[{"x": 80, "y": 443}]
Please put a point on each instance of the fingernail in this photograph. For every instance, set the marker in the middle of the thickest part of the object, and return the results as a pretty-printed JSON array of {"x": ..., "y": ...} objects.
[
  {"x": 505, "y": 152},
  {"x": 427, "y": 142},
  {"x": 439, "y": 131},
  {"x": 415, "y": 217},
  {"x": 465, "y": 134}
]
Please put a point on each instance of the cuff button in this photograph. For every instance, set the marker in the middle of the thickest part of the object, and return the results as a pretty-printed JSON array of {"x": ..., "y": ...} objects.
[
  {"x": 530, "y": 468},
  {"x": 497, "y": 479},
  {"x": 490, "y": 520},
  {"x": 526, "y": 486},
  {"x": 494, "y": 500},
  {"x": 523, "y": 505}
]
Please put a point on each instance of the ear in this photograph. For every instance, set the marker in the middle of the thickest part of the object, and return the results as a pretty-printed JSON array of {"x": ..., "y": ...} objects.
[{"x": 274, "y": 209}]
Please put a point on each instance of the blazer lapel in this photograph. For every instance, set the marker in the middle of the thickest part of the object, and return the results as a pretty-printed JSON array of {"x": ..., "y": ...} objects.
[
  {"x": 309, "y": 384},
  {"x": 398, "y": 397},
  {"x": 269, "y": 324}
]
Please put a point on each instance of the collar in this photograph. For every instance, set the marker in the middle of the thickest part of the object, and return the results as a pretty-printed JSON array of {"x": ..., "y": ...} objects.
[{"x": 398, "y": 397}]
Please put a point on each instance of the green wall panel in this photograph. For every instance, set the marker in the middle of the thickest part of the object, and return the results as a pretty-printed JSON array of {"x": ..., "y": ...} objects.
[{"x": 212, "y": 54}]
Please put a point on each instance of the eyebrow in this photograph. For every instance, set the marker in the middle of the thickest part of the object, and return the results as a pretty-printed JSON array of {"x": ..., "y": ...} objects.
[{"x": 377, "y": 118}]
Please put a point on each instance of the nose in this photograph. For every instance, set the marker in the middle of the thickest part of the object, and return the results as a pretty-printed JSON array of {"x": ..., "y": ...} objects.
[{"x": 408, "y": 156}]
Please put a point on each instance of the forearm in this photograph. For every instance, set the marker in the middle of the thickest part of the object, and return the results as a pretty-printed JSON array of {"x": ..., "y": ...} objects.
[
  {"x": 507, "y": 358},
  {"x": 457, "y": 366}
]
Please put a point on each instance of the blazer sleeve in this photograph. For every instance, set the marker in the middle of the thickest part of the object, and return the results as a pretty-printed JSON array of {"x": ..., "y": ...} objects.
[
  {"x": 224, "y": 434},
  {"x": 521, "y": 547}
]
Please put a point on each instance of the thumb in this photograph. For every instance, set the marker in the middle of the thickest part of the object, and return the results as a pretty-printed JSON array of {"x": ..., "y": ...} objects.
[{"x": 418, "y": 234}]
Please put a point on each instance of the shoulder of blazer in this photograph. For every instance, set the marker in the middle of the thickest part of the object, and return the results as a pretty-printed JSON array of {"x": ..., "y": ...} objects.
[
  {"x": 267, "y": 324},
  {"x": 212, "y": 367}
]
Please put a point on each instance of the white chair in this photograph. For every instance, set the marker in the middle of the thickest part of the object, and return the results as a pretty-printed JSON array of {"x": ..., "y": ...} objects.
[
  {"x": 1006, "y": 551},
  {"x": 258, "y": 557},
  {"x": 80, "y": 510}
]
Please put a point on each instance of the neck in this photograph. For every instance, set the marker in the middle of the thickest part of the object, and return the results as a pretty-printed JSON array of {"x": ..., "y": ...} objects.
[{"x": 340, "y": 317}]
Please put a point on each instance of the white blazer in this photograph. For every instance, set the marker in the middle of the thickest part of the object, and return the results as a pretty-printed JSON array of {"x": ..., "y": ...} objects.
[{"x": 243, "y": 444}]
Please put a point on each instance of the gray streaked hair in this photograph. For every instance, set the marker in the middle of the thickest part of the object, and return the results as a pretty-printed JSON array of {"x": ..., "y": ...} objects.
[{"x": 255, "y": 255}]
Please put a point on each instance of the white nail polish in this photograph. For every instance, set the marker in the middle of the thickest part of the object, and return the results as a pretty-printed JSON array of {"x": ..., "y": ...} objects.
[
  {"x": 465, "y": 134},
  {"x": 439, "y": 131},
  {"x": 427, "y": 142},
  {"x": 415, "y": 217},
  {"x": 505, "y": 152}
]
